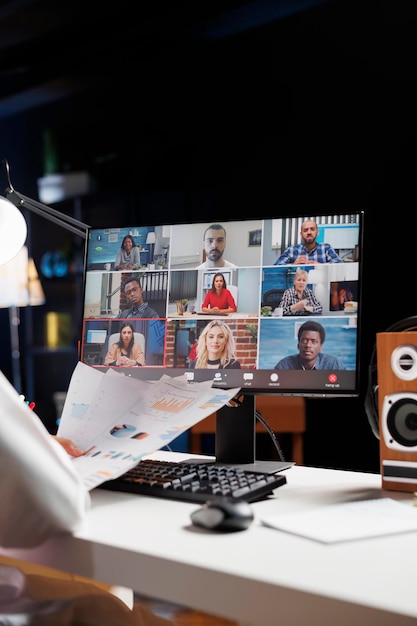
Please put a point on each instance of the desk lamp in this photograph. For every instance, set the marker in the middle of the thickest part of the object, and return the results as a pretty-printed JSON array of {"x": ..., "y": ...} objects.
[
  {"x": 150, "y": 241},
  {"x": 13, "y": 233}
]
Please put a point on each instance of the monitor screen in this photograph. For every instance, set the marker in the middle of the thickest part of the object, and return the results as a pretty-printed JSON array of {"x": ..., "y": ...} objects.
[
  {"x": 96, "y": 336},
  {"x": 270, "y": 306}
]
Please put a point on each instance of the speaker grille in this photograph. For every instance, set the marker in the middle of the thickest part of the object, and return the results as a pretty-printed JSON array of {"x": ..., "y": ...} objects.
[
  {"x": 404, "y": 362},
  {"x": 400, "y": 421}
]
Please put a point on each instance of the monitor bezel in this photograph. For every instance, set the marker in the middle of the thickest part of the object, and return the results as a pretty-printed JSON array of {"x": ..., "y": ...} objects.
[{"x": 314, "y": 385}]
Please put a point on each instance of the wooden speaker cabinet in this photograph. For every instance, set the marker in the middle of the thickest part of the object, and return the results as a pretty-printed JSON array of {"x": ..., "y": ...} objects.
[{"x": 397, "y": 408}]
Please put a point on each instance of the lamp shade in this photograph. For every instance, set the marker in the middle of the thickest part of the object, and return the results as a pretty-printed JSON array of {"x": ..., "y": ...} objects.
[
  {"x": 36, "y": 293},
  {"x": 315, "y": 277},
  {"x": 13, "y": 230},
  {"x": 150, "y": 237},
  {"x": 19, "y": 282}
]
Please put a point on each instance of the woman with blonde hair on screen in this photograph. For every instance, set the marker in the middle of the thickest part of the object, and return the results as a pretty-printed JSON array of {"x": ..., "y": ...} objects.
[{"x": 216, "y": 348}]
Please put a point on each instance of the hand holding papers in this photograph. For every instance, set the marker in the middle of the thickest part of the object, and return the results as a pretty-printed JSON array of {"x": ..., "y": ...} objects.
[
  {"x": 118, "y": 419},
  {"x": 115, "y": 418},
  {"x": 41, "y": 491}
]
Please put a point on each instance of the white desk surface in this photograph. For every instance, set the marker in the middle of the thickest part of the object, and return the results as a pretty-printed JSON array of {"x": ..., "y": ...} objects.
[{"x": 258, "y": 577}]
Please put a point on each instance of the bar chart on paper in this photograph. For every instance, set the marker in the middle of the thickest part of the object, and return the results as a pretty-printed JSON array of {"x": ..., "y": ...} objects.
[{"x": 171, "y": 405}]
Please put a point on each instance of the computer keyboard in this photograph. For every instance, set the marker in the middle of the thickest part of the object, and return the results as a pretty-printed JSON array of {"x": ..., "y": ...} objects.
[{"x": 191, "y": 481}]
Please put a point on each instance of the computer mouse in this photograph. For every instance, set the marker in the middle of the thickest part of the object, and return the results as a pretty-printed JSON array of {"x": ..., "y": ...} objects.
[{"x": 226, "y": 514}]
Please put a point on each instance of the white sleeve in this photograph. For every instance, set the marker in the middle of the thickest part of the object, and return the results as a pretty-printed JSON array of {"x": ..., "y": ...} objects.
[{"x": 40, "y": 490}]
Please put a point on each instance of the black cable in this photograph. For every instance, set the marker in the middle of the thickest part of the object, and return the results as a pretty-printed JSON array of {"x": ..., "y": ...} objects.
[
  {"x": 236, "y": 401},
  {"x": 271, "y": 434}
]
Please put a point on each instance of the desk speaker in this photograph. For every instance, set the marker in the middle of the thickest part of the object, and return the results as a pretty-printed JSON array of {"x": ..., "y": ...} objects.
[{"x": 397, "y": 408}]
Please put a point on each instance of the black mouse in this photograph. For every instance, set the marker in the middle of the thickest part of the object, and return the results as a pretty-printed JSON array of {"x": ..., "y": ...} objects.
[{"x": 225, "y": 514}]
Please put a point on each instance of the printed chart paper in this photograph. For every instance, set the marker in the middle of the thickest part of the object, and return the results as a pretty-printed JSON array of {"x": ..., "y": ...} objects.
[{"x": 117, "y": 419}]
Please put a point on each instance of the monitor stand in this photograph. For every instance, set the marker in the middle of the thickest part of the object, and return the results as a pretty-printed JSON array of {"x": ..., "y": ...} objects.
[{"x": 235, "y": 439}]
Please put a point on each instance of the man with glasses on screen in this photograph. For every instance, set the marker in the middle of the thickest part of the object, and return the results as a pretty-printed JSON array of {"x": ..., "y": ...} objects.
[
  {"x": 138, "y": 308},
  {"x": 311, "y": 336}
]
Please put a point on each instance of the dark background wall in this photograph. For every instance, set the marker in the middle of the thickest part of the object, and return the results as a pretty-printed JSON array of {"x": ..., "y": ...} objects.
[{"x": 312, "y": 112}]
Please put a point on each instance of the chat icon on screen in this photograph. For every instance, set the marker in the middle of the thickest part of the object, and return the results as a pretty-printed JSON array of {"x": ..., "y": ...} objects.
[{"x": 248, "y": 376}]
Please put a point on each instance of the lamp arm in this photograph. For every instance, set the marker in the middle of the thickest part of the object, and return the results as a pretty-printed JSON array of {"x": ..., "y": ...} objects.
[
  {"x": 110, "y": 295},
  {"x": 65, "y": 221}
]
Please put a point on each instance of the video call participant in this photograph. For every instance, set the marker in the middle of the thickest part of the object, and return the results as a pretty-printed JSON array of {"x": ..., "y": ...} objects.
[
  {"x": 214, "y": 242},
  {"x": 128, "y": 254},
  {"x": 308, "y": 252},
  {"x": 125, "y": 352},
  {"x": 133, "y": 292},
  {"x": 311, "y": 336},
  {"x": 216, "y": 348},
  {"x": 219, "y": 298},
  {"x": 300, "y": 300}
]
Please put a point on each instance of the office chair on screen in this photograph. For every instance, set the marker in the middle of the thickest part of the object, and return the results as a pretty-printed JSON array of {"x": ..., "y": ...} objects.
[{"x": 272, "y": 298}]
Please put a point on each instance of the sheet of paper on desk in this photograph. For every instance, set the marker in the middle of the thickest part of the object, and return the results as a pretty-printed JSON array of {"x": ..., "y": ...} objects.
[
  {"x": 118, "y": 419},
  {"x": 348, "y": 521}
]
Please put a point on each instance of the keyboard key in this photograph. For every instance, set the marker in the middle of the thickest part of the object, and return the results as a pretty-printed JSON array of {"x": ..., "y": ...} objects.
[{"x": 195, "y": 482}]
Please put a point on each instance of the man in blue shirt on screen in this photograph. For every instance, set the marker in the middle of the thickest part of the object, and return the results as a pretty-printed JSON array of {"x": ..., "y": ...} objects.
[
  {"x": 308, "y": 252},
  {"x": 311, "y": 336}
]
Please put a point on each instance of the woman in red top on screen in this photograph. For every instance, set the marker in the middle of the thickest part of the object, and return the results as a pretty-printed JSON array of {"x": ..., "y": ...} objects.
[{"x": 219, "y": 298}]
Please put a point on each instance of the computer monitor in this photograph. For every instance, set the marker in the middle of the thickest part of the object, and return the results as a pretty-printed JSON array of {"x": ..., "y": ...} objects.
[
  {"x": 289, "y": 323},
  {"x": 96, "y": 336}
]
